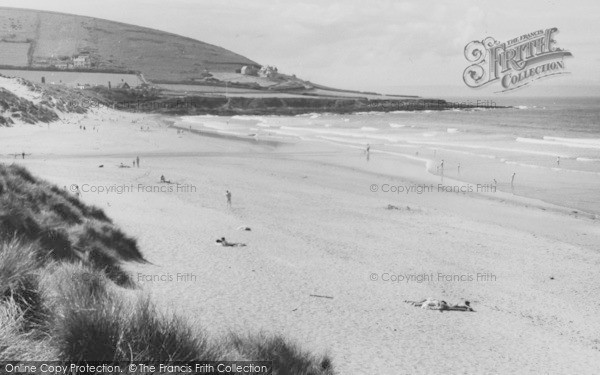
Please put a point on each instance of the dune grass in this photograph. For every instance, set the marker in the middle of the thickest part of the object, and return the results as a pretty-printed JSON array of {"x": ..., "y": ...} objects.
[
  {"x": 62, "y": 224},
  {"x": 64, "y": 295}
]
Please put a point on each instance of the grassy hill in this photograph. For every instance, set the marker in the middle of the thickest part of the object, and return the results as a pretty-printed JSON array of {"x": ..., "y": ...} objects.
[{"x": 39, "y": 38}]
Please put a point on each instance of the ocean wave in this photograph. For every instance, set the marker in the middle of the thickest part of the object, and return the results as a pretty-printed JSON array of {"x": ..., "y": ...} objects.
[
  {"x": 401, "y": 111},
  {"x": 587, "y": 160},
  {"x": 566, "y": 142},
  {"x": 394, "y": 125},
  {"x": 491, "y": 148},
  {"x": 589, "y": 142},
  {"x": 248, "y": 118},
  {"x": 368, "y": 129},
  {"x": 452, "y": 130}
]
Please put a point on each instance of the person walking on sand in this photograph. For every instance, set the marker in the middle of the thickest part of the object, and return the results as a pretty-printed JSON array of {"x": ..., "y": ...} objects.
[
  {"x": 512, "y": 180},
  {"x": 458, "y": 168},
  {"x": 228, "y": 195},
  {"x": 368, "y": 148}
]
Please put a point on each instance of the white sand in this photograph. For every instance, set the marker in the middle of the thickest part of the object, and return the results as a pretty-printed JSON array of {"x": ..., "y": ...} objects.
[{"x": 318, "y": 229}]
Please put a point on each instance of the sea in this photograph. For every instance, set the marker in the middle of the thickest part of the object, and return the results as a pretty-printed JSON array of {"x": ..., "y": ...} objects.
[{"x": 542, "y": 148}]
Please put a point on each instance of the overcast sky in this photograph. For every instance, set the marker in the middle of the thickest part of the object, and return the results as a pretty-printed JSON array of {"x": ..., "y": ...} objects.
[{"x": 391, "y": 46}]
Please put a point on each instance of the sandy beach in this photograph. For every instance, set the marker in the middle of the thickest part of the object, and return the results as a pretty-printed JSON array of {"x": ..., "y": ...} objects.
[{"x": 331, "y": 256}]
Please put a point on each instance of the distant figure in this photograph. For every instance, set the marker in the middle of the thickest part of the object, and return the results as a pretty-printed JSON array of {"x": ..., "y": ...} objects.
[
  {"x": 23, "y": 155},
  {"x": 458, "y": 168},
  {"x": 368, "y": 148},
  {"x": 228, "y": 195},
  {"x": 495, "y": 182},
  {"x": 417, "y": 153},
  {"x": 442, "y": 166},
  {"x": 512, "y": 180},
  {"x": 434, "y": 152},
  {"x": 558, "y": 161},
  {"x": 134, "y": 163},
  {"x": 162, "y": 178},
  {"x": 137, "y": 160}
]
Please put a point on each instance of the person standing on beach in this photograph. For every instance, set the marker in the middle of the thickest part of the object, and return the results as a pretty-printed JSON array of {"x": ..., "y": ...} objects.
[
  {"x": 512, "y": 180},
  {"x": 458, "y": 168},
  {"x": 23, "y": 155},
  {"x": 558, "y": 161},
  {"x": 137, "y": 160},
  {"x": 228, "y": 195},
  {"x": 368, "y": 148}
]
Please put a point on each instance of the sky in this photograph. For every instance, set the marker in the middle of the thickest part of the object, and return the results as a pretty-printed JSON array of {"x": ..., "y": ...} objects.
[{"x": 403, "y": 47}]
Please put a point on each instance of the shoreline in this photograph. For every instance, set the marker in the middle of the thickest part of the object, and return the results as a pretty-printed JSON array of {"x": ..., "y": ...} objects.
[{"x": 500, "y": 194}]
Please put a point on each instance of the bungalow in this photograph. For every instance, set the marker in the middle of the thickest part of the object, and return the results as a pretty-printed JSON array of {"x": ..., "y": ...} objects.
[{"x": 64, "y": 65}]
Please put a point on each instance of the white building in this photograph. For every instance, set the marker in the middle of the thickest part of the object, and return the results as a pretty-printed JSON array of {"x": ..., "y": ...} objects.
[{"x": 82, "y": 62}]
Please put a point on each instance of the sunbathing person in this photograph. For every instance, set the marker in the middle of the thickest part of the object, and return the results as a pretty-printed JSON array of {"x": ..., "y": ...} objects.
[
  {"x": 429, "y": 303},
  {"x": 458, "y": 307},
  {"x": 434, "y": 304},
  {"x": 226, "y": 243}
]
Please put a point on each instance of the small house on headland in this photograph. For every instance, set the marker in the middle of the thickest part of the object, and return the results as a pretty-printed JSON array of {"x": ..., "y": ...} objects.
[
  {"x": 82, "y": 61},
  {"x": 249, "y": 70},
  {"x": 268, "y": 71}
]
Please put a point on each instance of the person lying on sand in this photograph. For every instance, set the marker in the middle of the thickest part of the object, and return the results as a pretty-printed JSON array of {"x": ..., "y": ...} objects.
[
  {"x": 225, "y": 243},
  {"x": 457, "y": 307},
  {"x": 434, "y": 304}
]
